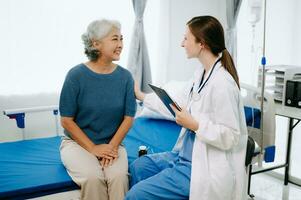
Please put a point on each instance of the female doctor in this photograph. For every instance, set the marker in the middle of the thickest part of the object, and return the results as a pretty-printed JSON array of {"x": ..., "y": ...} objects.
[{"x": 207, "y": 162}]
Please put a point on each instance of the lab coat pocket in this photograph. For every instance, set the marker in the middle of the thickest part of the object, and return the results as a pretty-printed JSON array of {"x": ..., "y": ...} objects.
[{"x": 221, "y": 174}]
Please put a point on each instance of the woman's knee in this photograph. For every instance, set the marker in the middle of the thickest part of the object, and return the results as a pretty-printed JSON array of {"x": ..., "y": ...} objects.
[
  {"x": 89, "y": 177},
  {"x": 91, "y": 180},
  {"x": 121, "y": 177}
]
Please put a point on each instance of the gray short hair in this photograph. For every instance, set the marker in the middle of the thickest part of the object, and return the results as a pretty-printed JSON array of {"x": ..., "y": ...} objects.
[{"x": 97, "y": 30}]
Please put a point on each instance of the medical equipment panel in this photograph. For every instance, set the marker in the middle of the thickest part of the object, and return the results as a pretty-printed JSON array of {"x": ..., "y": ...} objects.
[
  {"x": 293, "y": 93},
  {"x": 276, "y": 79}
]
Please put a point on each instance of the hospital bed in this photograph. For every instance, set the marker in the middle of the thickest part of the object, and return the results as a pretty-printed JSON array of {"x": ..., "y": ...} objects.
[
  {"x": 32, "y": 167},
  {"x": 261, "y": 142}
]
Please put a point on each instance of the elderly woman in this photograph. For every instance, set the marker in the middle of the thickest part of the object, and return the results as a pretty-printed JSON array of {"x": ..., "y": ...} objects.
[{"x": 97, "y": 106}]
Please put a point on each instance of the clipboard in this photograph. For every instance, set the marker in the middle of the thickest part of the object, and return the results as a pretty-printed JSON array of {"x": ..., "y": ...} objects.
[{"x": 165, "y": 98}]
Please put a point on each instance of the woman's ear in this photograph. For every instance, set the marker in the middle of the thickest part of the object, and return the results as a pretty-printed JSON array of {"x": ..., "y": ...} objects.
[
  {"x": 201, "y": 45},
  {"x": 96, "y": 44}
]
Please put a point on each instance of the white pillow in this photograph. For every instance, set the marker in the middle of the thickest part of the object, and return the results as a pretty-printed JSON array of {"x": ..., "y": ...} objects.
[{"x": 148, "y": 113}]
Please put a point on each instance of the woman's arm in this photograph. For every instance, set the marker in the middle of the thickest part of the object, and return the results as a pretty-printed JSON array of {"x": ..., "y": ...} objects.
[
  {"x": 76, "y": 133},
  {"x": 118, "y": 137},
  {"x": 138, "y": 93},
  {"x": 122, "y": 131}
]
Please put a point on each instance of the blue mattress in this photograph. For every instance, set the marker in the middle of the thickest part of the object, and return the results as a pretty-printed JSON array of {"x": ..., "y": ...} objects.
[
  {"x": 157, "y": 135},
  {"x": 33, "y": 168}
]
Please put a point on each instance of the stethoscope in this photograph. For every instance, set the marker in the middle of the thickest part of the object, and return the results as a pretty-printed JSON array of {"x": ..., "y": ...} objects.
[{"x": 202, "y": 85}]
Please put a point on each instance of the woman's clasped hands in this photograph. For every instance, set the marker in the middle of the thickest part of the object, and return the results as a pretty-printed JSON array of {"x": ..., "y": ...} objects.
[{"x": 106, "y": 153}]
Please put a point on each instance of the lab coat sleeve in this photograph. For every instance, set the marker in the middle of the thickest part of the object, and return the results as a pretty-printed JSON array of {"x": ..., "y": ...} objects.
[{"x": 221, "y": 128}]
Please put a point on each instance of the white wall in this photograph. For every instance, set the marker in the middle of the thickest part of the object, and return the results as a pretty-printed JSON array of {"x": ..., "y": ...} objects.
[
  {"x": 178, "y": 67},
  {"x": 41, "y": 40},
  {"x": 296, "y": 30}
]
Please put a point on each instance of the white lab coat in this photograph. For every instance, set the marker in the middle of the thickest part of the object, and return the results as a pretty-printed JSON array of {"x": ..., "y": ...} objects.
[{"x": 218, "y": 157}]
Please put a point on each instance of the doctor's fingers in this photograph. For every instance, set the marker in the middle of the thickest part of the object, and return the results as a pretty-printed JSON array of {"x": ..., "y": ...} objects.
[
  {"x": 179, "y": 114},
  {"x": 174, "y": 109}
]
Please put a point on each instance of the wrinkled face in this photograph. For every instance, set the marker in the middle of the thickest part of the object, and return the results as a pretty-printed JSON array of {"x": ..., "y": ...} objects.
[
  {"x": 110, "y": 47},
  {"x": 192, "y": 47}
]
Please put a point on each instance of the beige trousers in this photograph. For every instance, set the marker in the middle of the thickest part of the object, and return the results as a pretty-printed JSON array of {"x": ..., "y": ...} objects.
[{"x": 110, "y": 183}]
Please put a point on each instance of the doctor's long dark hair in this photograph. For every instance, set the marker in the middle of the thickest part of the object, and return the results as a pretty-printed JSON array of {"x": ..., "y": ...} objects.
[{"x": 209, "y": 31}]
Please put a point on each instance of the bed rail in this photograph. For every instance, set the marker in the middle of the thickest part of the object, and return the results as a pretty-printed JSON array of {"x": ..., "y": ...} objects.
[{"x": 20, "y": 113}]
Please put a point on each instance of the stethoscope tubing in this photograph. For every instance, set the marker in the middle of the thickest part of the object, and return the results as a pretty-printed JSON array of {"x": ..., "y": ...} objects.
[{"x": 202, "y": 85}]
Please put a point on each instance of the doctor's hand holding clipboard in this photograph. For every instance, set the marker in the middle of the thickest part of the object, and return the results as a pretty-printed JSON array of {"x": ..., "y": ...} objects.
[{"x": 185, "y": 119}]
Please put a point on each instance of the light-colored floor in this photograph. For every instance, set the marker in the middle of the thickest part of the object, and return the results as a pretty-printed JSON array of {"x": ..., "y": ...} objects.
[{"x": 264, "y": 187}]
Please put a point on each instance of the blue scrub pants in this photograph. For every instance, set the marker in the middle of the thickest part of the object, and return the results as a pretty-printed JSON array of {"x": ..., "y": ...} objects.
[{"x": 159, "y": 176}]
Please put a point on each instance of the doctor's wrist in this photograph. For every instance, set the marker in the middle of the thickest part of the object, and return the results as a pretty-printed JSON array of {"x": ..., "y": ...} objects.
[{"x": 194, "y": 126}]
